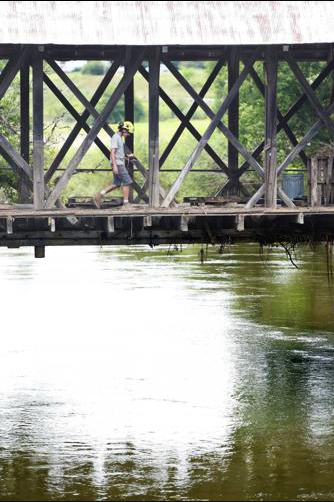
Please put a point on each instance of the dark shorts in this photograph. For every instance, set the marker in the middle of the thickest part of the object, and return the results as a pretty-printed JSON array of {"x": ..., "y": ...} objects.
[{"x": 123, "y": 177}]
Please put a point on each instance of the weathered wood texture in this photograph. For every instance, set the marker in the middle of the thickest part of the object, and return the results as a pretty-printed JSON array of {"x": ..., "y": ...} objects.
[
  {"x": 321, "y": 181},
  {"x": 233, "y": 121},
  {"x": 153, "y": 99},
  {"x": 270, "y": 160},
  {"x": 38, "y": 130},
  {"x": 129, "y": 114},
  {"x": 24, "y": 129},
  {"x": 216, "y": 120}
]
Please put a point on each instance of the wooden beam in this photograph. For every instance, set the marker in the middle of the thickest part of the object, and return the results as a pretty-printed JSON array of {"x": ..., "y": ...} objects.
[
  {"x": 17, "y": 162},
  {"x": 283, "y": 196},
  {"x": 144, "y": 189},
  {"x": 97, "y": 126},
  {"x": 79, "y": 95},
  {"x": 300, "y": 219},
  {"x": 225, "y": 188},
  {"x": 110, "y": 223},
  {"x": 24, "y": 191},
  {"x": 38, "y": 140},
  {"x": 206, "y": 136},
  {"x": 9, "y": 224},
  {"x": 314, "y": 195},
  {"x": 240, "y": 222},
  {"x": 233, "y": 118},
  {"x": 290, "y": 113},
  {"x": 187, "y": 124},
  {"x": 270, "y": 160},
  {"x": 39, "y": 251},
  {"x": 147, "y": 221},
  {"x": 129, "y": 114},
  {"x": 282, "y": 124},
  {"x": 313, "y": 98},
  {"x": 229, "y": 135},
  {"x": 255, "y": 197},
  {"x": 153, "y": 103},
  {"x": 81, "y": 119},
  {"x": 184, "y": 220},
  {"x": 52, "y": 224},
  {"x": 83, "y": 124},
  {"x": 308, "y": 136},
  {"x": 142, "y": 195},
  {"x": 191, "y": 111},
  {"x": 10, "y": 71}
]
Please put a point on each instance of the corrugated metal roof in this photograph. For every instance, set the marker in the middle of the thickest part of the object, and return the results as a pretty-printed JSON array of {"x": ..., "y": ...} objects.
[{"x": 166, "y": 23}]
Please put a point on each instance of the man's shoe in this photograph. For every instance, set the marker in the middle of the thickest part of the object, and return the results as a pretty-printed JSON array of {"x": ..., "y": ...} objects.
[{"x": 97, "y": 200}]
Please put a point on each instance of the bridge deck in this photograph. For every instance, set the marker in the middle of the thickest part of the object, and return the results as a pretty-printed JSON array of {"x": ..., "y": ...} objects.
[
  {"x": 140, "y": 224},
  {"x": 141, "y": 210}
]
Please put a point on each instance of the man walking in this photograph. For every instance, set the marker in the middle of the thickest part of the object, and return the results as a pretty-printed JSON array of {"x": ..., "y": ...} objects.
[{"x": 117, "y": 161}]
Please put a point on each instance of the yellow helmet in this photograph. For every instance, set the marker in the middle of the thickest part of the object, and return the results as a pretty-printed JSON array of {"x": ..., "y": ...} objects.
[{"x": 127, "y": 125}]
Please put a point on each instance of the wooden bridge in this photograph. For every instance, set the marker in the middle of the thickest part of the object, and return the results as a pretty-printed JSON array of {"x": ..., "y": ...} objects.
[{"x": 266, "y": 214}]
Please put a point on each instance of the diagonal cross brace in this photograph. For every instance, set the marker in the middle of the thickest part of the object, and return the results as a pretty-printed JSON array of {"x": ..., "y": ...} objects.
[
  {"x": 229, "y": 135},
  {"x": 313, "y": 98},
  {"x": 209, "y": 131},
  {"x": 192, "y": 110},
  {"x": 90, "y": 109},
  {"x": 186, "y": 123},
  {"x": 81, "y": 119},
  {"x": 97, "y": 126},
  {"x": 12, "y": 67}
]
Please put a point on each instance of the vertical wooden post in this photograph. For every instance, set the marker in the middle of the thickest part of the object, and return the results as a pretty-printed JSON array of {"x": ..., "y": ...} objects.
[
  {"x": 315, "y": 198},
  {"x": 129, "y": 113},
  {"x": 233, "y": 119},
  {"x": 329, "y": 59},
  {"x": 38, "y": 145},
  {"x": 154, "y": 64},
  {"x": 25, "y": 128},
  {"x": 270, "y": 68}
]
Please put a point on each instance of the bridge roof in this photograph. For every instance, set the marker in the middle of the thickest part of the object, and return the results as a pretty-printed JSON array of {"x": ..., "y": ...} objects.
[{"x": 166, "y": 22}]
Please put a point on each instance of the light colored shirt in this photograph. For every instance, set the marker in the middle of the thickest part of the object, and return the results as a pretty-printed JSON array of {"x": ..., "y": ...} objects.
[{"x": 118, "y": 145}]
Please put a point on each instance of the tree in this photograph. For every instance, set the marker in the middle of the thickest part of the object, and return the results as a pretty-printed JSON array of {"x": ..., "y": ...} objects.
[
  {"x": 93, "y": 68},
  {"x": 10, "y": 128}
]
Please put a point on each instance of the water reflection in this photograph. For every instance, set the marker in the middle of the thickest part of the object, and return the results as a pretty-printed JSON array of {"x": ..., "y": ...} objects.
[{"x": 143, "y": 376}]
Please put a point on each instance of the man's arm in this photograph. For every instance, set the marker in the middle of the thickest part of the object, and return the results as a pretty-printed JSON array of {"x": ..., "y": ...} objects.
[{"x": 113, "y": 160}]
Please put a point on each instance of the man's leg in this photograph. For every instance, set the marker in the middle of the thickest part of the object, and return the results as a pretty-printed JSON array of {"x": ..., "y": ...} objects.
[
  {"x": 97, "y": 199},
  {"x": 126, "y": 190}
]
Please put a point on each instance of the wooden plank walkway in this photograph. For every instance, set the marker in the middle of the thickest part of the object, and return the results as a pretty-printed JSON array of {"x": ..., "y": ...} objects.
[{"x": 140, "y": 210}]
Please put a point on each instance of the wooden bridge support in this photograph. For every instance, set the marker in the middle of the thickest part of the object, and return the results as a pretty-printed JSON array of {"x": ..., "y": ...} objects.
[
  {"x": 38, "y": 128},
  {"x": 270, "y": 159},
  {"x": 25, "y": 128},
  {"x": 129, "y": 114},
  {"x": 153, "y": 125},
  {"x": 233, "y": 121}
]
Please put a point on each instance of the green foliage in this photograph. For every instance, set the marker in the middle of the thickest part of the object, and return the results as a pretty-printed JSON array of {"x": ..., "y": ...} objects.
[
  {"x": 9, "y": 127},
  {"x": 93, "y": 68},
  {"x": 252, "y": 111}
]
